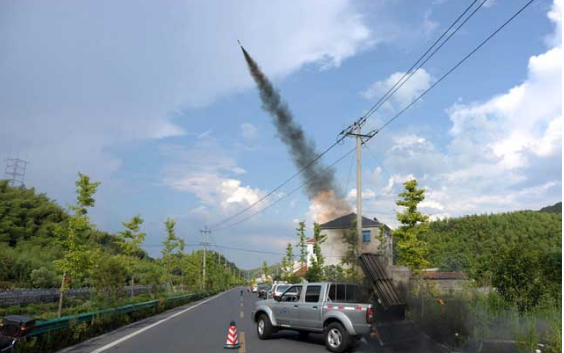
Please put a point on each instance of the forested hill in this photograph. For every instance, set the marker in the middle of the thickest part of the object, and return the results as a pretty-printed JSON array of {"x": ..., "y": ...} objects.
[
  {"x": 470, "y": 243},
  {"x": 556, "y": 208},
  {"x": 26, "y": 216},
  {"x": 27, "y": 239}
]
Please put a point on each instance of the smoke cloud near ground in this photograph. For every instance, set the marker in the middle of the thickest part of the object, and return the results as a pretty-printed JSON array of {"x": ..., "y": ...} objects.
[{"x": 323, "y": 189}]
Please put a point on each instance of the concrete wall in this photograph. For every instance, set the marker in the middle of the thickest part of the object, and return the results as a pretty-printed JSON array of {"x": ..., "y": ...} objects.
[{"x": 334, "y": 248}]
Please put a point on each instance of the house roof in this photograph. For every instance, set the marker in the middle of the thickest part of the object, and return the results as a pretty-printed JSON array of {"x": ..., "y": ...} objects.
[
  {"x": 444, "y": 275},
  {"x": 301, "y": 271},
  {"x": 347, "y": 222},
  {"x": 311, "y": 241}
]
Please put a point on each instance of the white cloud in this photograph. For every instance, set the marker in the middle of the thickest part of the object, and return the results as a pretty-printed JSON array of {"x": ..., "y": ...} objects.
[
  {"x": 73, "y": 87},
  {"x": 431, "y": 204},
  {"x": 429, "y": 26},
  {"x": 419, "y": 82},
  {"x": 248, "y": 130},
  {"x": 405, "y": 141},
  {"x": 504, "y": 153},
  {"x": 203, "y": 170},
  {"x": 367, "y": 194},
  {"x": 396, "y": 180}
]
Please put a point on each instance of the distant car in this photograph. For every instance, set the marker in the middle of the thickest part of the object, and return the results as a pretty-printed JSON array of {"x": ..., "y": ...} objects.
[
  {"x": 254, "y": 289},
  {"x": 277, "y": 290},
  {"x": 263, "y": 290}
]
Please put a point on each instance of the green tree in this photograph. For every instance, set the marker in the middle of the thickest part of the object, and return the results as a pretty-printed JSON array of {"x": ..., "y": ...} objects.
[
  {"x": 316, "y": 272},
  {"x": 288, "y": 263},
  {"x": 171, "y": 245},
  {"x": 412, "y": 250},
  {"x": 43, "y": 278},
  {"x": 108, "y": 277},
  {"x": 72, "y": 235},
  {"x": 265, "y": 271},
  {"x": 350, "y": 238},
  {"x": 130, "y": 241},
  {"x": 518, "y": 277},
  {"x": 302, "y": 244}
]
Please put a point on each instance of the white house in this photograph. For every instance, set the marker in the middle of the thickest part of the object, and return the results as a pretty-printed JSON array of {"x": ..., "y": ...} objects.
[{"x": 334, "y": 247}]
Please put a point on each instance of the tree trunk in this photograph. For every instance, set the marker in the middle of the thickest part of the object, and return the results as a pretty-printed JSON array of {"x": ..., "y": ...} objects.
[
  {"x": 61, "y": 295},
  {"x": 132, "y": 287}
]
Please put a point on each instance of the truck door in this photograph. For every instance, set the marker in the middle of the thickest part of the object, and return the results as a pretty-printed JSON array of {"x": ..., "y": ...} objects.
[
  {"x": 286, "y": 310},
  {"x": 309, "y": 312}
]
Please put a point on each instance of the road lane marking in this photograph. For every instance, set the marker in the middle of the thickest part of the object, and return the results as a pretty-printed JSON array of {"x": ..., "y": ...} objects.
[
  {"x": 242, "y": 349},
  {"x": 242, "y": 314},
  {"x": 133, "y": 334}
]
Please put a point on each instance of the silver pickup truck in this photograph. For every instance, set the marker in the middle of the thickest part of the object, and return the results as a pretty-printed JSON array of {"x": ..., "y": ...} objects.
[{"x": 329, "y": 308}]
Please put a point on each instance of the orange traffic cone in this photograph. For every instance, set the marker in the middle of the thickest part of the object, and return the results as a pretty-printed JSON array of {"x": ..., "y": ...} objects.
[{"x": 232, "y": 337}]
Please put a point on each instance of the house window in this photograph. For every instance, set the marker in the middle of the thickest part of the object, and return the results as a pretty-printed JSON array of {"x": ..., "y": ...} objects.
[{"x": 366, "y": 236}]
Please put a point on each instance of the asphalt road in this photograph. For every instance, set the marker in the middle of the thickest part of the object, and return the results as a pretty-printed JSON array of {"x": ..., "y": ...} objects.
[{"x": 202, "y": 327}]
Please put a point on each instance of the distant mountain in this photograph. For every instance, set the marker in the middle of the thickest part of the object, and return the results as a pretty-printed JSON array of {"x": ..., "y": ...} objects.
[{"x": 556, "y": 208}]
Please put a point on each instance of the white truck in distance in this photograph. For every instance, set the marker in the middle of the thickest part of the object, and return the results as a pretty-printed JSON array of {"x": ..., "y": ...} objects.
[{"x": 329, "y": 308}]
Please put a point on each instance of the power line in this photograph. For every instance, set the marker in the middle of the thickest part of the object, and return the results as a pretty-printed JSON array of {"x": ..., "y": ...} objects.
[
  {"x": 289, "y": 194},
  {"x": 279, "y": 186},
  {"x": 413, "y": 68},
  {"x": 377, "y": 162},
  {"x": 349, "y": 176},
  {"x": 376, "y": 131},
  {"x": 408, "y": 74}
]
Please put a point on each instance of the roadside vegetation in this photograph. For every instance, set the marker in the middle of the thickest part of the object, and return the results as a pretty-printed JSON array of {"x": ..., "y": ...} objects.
[
  {"x": 514, "y": 261},
  {"x": 43, "y": 245}
]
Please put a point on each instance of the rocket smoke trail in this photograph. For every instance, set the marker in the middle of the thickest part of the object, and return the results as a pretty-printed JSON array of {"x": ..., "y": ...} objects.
[{"x": 323, "y": 190}]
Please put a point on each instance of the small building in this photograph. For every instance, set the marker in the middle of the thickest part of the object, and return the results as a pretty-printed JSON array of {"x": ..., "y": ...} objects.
[
  {"x": 446, "y": 282},
  {"x": 335, "y": 247}
]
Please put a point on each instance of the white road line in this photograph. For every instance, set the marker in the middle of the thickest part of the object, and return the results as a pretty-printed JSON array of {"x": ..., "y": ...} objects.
[{"x": 133, "y": 334}]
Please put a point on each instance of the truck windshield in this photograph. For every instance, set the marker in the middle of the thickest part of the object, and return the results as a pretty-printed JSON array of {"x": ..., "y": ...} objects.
[{"x": 343, "y": 293}]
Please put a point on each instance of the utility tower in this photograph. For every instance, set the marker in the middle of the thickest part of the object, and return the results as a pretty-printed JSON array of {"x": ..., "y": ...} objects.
[
  {"x": 15, "y": 169},
  {"x": 205, "y": 232}
]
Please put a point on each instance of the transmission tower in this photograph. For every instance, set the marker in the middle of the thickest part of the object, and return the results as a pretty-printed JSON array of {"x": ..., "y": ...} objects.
[{"x": 15, "y": 169}]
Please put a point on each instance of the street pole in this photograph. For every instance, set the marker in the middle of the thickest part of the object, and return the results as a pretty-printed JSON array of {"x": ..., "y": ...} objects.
[{"x": 204, "y": 243}]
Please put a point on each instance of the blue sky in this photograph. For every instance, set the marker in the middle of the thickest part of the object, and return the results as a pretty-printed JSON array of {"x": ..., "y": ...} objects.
[{"x": 155, "y": 101}]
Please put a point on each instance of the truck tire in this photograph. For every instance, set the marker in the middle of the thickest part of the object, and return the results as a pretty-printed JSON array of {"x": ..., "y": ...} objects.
[
  {"x": 264, "y": 327},
  {"x": 336, "y": 338}
]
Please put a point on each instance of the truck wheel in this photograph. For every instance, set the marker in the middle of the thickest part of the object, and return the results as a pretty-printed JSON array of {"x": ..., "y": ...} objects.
[
  {"x": 264, "y": 327},
  {"x": 336, "y": 338}
]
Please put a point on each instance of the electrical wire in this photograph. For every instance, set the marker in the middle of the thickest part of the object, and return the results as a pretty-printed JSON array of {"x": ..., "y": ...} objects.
[
  {"x": 376, "y": 131},
  {"x": 290, "y": 193},
  {"x": 279, "y": 186},
  {"x": 411, "y": 70},
  {"x": 377, "y": 162},
  {"x": 349, "y": 176},
  {"x": 409, "y": 74}
]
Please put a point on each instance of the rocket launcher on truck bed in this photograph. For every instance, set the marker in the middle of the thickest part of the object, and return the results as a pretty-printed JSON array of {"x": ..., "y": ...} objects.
[{"x": 391, "y": 325}]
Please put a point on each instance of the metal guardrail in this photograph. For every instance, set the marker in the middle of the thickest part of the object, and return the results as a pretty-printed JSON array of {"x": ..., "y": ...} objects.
[{"x": 45, "y": 326}]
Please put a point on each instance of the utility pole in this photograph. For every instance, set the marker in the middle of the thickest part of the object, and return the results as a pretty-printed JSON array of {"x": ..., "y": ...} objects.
[
  {"x": 358, "y": 185},
  {"x": 359, "y": 142},
  {"x": 205, "y": 244}
]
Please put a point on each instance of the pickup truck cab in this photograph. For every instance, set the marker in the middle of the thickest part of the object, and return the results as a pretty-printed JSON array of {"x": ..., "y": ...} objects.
[{"x": 329, "y": 308}]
